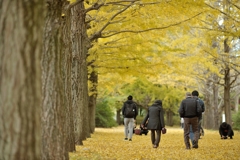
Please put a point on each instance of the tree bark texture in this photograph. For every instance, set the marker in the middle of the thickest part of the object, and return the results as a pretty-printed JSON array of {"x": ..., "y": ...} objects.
[
  {"x": 208, "y": 117},
  {"x": 79, "y": 73},
  {"x": 227, "y": 103},
  {"x": 216, "y": 109},
  {"x": 66, "y": 71},
  {"x": 21, "y": 30},
  {"x": 54, "y": 116},
  {"x": 93, "y": 78}
]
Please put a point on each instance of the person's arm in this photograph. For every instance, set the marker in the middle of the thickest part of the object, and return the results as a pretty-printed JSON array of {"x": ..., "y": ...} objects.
[
  {"x": 162, "y": 118},
  {"x": 199, "y": 108},
  {"x": 145, "y": 120},
  {"x": 181, "y": 110},
  {"x": 203, "y": 106}
]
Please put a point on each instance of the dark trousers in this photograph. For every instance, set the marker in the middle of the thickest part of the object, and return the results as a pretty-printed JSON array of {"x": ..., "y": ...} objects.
[
  {"x": 155, "y": 136},
  {"x": 187, "y": 122}
]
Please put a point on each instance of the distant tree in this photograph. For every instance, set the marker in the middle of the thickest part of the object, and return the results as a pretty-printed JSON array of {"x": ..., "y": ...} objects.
[{"x": 104, "y": 115}]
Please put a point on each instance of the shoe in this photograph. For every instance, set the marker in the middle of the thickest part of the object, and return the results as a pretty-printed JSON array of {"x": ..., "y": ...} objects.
[
  {"x": 154, "y": 146},
  {"x": 231, "y": 138},
  {"x": 125, "y": 139},
  {"x": 130, "y": 139},
  {"x": 195, "y": 145},
  {"x": 187, "y": 148}
]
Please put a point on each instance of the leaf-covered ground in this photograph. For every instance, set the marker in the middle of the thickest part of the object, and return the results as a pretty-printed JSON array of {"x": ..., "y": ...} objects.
[{"x": 108, "y": 144}]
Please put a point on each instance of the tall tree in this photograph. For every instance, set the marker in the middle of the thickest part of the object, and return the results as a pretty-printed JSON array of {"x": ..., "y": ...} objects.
[
  {"x": 53, "y": 115},
  {"x": 124, "y": 53},
  {"x": 21, "y": 30},
  {"x": 225, "y": 36},
  {"x": 80, "y": 45},
  {"x": 66, "y": 71}
]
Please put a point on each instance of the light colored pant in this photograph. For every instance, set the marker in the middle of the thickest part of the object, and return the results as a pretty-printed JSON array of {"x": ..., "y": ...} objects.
[{"x": 128, "y": 129}]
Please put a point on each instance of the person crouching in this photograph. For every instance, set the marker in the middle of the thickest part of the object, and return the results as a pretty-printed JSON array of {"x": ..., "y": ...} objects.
[{"x": 225, "y": 131}]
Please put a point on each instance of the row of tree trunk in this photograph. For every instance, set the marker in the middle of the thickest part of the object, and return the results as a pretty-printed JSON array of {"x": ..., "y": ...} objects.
[{"x": 44, "y": 99}]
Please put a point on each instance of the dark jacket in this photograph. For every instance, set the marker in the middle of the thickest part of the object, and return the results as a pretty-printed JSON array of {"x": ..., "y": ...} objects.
[
  {"x": 154, "y": 117},
  {"x": 124, "y": 106},
  {"x": 190, "y": 108},
  {"x": 225, "y": 130},
  {"x": 202, "y": 106}
]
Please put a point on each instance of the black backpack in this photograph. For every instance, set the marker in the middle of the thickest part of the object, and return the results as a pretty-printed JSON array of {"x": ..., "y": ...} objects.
[{"x": 130, "y": 110}]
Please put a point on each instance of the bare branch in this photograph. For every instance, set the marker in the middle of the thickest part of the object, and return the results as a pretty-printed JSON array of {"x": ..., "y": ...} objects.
[
  {"x": 227, "y": 15},
  {"x": 150, "y": 29},
  {"x": 95, "y": 6},
  {"x": 238, "y": 7},
  {"x": 99, "y": 33}
]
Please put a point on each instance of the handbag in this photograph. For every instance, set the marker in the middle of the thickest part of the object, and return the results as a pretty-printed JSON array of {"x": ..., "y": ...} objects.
[
  {"x": 137, "y": 131},
  {"x": 164, "y": 131}
]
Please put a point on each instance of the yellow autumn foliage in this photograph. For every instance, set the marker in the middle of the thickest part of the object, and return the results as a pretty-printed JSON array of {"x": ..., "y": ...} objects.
[{"x": 108, "y": 144}]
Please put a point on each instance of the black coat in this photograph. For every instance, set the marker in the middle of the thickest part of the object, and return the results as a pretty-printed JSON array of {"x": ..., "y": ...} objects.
[
  {"x": 154, "y": 117},
  {"x": 225, "y": 130}
]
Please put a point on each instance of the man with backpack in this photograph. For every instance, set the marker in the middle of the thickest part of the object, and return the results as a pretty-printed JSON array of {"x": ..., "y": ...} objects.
[{"x": 130, "y": 112}]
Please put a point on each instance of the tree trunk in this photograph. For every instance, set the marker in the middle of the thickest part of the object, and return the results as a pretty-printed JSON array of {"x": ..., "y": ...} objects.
[
  {"x": 21, "y": 30},
  {"x": 208, "y": 121},
  {"x": 79, "y": 73},
  {"x": 118, "y": 117},
  {"x": 54, "y": 116},
  {"x": 216, "y": 111},
  {"x": 93, "y": 98},
  {"x": 169, "y": 118},
  {"x": 66, "y": 69},
  {"x": 227, "y": 104}
]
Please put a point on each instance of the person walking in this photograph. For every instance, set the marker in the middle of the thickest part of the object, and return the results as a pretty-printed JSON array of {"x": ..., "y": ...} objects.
[
  {"x": 195, "y": 94},
  {"x": 130, "y": 112},
  {"x": 190, "y": 109},
  {"x": 155, "y": 120}
]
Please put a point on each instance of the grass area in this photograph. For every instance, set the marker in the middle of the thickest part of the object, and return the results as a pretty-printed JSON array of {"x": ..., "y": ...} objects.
[{"x": 108, "y": 144}]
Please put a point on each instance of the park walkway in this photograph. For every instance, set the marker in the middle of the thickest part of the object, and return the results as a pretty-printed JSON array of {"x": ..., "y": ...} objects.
[{"x": 108, "y": 144}]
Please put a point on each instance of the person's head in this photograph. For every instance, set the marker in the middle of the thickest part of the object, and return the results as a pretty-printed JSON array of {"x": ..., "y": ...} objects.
[
  {"x": 188, "y": 94},
  {"x": 224, "y": 125},
  {"x": 130, "y": 97},
  {"x": 195, "y": 93},
  {"x": 158, "y": 102}
]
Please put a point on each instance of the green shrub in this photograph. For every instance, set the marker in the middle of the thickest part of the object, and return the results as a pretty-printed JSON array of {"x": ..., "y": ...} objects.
[
  {"x": 104, "y": 115},
  {"x": 236, "y": 120}
]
